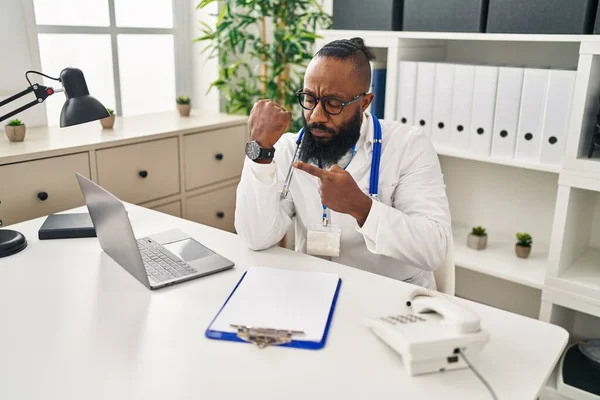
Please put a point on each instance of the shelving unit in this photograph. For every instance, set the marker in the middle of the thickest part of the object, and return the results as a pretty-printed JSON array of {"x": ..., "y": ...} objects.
[
  {"x": 559, "y": 205},
  {"x": 499, "y": 259},
  {"x": 457, "y": 153}
]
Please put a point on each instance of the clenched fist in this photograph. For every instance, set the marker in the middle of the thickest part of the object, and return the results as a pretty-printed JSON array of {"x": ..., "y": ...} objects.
[
  {"x": 267, "y": 122},
  {"x": 339, "y": 191}
]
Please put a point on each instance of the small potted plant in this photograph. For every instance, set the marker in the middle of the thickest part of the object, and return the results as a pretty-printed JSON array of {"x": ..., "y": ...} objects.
[
  {"x": 108, "y": 122},
  {"x": 477, "y": 239},
  {"x": 15, "y": 130},
  {"x": 184, "y": 105},
  {"x": 523, "y": 246}
]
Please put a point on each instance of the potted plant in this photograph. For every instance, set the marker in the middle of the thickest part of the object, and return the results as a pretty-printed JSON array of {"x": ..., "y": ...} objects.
[
  {"x": 523, "y": 246},
  {"x": 108, "y": 122},
  {"x": 184, "y": 105},
  {"x": 263, "y": 48},
  {"x": 15, "y": 130},
  {"x": 477, "y": 239}
]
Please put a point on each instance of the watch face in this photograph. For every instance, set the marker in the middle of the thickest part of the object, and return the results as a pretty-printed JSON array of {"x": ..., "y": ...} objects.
[{"x": 252, "y": 150}]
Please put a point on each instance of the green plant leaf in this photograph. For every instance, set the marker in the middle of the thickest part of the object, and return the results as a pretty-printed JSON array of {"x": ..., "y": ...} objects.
[
  {"x": 204, "y": 3},
  {"x": 235, "y": 40}
]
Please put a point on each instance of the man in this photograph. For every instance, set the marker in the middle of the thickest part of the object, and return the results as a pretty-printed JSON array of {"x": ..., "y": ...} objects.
[{"x": 402, "y": 233}]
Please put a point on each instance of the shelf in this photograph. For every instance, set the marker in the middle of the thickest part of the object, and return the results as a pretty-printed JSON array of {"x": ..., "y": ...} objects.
[
  {"x": 580, "y": 181},
  {"x": 549, "y": 391},
  {"x": 503, "y": 37},
  {"x": 582, "y": 279},
  {"x": 451, "y": 152},
  {"x": 583, "y": 173},
  {"x": 499, "y": 259}
]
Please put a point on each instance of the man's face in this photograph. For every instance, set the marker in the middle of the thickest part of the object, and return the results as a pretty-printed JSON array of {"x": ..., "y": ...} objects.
[{"x": 328, "y": 137}]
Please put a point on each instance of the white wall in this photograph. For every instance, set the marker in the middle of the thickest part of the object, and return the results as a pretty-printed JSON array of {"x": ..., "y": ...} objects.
[
  {"x": 204, "y": 71},
  {"x": 18, "y": 46},
  {"x": 502, "y": 199}
]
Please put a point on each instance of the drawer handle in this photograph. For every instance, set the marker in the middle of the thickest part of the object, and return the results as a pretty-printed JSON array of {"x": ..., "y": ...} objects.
[
  {"x": 220, "y": 215},
  {"x": 143, "y": 173},
  {"x": 43, "y": 196},
  {"x": 219, "y": 156}
]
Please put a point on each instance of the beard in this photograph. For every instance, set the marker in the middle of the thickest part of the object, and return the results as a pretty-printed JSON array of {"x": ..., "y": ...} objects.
[{"x": 314, "y": 150}]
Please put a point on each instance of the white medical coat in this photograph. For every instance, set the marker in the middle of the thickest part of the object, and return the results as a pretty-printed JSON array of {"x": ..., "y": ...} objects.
[{"x": 407, "y": 231}]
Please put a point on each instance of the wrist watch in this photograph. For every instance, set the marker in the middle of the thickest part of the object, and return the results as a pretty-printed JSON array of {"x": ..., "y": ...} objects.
[{"x": 255, "y": 151}]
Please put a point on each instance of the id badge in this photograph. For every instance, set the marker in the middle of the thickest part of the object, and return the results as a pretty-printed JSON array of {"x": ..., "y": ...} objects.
[{"x": 323, "y": 240}]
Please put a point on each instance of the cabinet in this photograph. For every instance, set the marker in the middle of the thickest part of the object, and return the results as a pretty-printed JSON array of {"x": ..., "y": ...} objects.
[
  {"x": 215, "y": 208},
  {"x": 34, "y": 188},
  {"x": 213, "y": 156},
  {"x": 173, "y": 208},
  {"x": 186, "y": 167},
  {"x": 140, "y": 172}
]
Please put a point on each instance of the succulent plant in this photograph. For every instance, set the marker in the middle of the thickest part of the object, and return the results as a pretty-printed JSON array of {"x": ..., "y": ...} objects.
[
  {"x": 524, "y": 239},
  {"x": 15, "y": 122}
]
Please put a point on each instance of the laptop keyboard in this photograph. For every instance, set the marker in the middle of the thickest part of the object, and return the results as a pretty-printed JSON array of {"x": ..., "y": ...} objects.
[{"x": 159, "y": 266}]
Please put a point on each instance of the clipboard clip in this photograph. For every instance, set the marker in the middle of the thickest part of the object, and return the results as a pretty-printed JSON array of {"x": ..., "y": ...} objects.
[{"x": 263, "y": 337}]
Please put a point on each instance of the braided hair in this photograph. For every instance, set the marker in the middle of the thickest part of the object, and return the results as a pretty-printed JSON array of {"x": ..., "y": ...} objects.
[{"x": 353, "y": 50}]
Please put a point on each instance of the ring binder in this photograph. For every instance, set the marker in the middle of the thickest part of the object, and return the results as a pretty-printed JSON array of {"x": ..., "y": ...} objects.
[{"x": 263, "y": 337}]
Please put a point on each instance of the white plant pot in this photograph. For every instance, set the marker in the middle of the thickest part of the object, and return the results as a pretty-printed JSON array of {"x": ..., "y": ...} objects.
[
  {"x": 477, "y": 242},
  {"x": 15, "y": 133}
]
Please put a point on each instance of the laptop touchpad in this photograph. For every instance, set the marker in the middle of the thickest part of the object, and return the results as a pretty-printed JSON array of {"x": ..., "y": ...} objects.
[{"x": 188, "y": 249}]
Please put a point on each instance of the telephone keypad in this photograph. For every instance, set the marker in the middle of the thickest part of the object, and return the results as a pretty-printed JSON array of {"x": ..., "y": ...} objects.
[{"x": 403, "y": 319}]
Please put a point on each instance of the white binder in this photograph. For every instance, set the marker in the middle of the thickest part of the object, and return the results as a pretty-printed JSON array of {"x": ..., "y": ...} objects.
[
  {"x": 556, "y": 115},
  {"x": 462, "y": 100},
  {"x": 484, "y": 105},
  {"x": 531, "y": 115},
  {"x": 506, "y": 116},
  {"x": 407, "y": 86},
  {"x": 424, "y": 98},
  {"x": 442, "y": 104}
]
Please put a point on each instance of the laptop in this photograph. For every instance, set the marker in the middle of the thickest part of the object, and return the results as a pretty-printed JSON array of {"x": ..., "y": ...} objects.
[{"x": 158, "y": 260}]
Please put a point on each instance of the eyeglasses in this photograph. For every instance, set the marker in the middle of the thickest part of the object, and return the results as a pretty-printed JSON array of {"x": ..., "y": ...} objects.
[{"x": 330, "y": 104}]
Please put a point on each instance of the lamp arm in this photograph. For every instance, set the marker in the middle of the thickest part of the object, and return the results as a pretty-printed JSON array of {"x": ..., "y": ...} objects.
[{"x": 41, "y": 93}]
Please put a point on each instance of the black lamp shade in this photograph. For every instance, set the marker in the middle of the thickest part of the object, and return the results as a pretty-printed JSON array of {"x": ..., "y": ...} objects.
[{"x": 80, "y": 107}]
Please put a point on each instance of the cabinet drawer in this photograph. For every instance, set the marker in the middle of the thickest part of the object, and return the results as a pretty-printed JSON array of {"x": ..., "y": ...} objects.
[
  {"x": 140, "y": 172},
  {"x": 32, "y": 189},
  {"x": 173, "y": 208},
  {"x": 214, "y": 156},
  {"x": 214, "y": 208}
]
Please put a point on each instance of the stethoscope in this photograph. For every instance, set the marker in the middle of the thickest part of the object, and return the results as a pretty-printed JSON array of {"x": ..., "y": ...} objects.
[{"x": 375, "y": 161}]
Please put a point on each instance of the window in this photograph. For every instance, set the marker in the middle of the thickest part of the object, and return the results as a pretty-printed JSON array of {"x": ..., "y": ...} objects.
[{"x": 127, "y": 50}]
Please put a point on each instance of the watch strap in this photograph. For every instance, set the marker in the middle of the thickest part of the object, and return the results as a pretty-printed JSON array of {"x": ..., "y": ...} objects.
[{"x": 266, "y": 154}]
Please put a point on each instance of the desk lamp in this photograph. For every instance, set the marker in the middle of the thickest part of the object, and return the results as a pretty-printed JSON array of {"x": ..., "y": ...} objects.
[{"x": 79, "y": 108}]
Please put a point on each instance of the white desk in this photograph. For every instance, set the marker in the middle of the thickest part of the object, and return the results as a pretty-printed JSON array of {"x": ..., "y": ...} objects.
[{"x": 75, "y": 325}]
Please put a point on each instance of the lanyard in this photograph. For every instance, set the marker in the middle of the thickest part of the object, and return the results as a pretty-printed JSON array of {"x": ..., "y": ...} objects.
[
  {"x": 325, "y": 213},
  {"x": 375, "y": 161}
]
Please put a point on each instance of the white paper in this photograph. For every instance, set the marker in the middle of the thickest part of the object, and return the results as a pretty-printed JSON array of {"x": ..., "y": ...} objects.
[{"x": 281, "y": 299}]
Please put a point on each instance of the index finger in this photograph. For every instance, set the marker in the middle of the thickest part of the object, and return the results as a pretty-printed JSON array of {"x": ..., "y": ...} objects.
[{"x": 310, "y": 169}]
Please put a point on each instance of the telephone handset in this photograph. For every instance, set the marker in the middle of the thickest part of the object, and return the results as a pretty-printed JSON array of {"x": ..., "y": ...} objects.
[
  {"x": 463, "y": 320},
  {"x": 431, "y": 333}
]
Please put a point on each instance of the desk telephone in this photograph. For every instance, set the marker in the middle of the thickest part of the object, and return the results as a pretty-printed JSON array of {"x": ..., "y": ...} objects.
[{"x": 432, "y": 333}]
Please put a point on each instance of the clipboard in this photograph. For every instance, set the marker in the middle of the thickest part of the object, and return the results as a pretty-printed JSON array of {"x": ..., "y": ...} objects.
[{"x": 278, "y": 307}]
